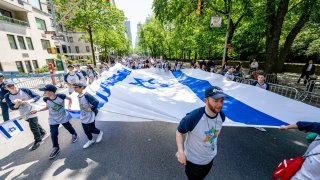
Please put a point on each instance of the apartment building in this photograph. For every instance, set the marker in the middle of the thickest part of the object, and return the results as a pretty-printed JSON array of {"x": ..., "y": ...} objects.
[
  {"x": 24, "y": 38},
  {"x": 76, "y": 47},
  {"x": 27, "y": 37}
]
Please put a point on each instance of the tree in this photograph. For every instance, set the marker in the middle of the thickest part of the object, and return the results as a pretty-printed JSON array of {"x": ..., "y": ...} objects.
[
  {"x": 276, "y": 12},
  {"x": 92, "y": 17}
]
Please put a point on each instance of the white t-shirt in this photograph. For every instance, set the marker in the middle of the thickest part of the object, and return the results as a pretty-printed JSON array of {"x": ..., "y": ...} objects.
[{"x": 309, "y": 67}]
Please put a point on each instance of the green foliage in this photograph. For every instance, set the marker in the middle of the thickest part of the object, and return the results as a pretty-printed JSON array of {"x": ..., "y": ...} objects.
[{"x": 43, "y": 69}]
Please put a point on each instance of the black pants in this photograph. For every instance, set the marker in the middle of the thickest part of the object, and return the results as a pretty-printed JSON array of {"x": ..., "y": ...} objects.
[
  {"x": 307, "y": 74},
  {"x": 90, "y": 129},
  {"x": 5, "y": 110},
  {"x": 35, "y": 128},
  {"x": 197, "y": 172},
  {"x": 54, "y": 130}
]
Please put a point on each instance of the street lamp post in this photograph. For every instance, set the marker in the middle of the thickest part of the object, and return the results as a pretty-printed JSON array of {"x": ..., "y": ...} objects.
[{"x": 226, "y": 41}]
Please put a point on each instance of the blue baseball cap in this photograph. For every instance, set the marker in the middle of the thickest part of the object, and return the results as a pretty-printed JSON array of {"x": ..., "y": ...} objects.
[
  {"x": 214, "y": 92},
  {"x": 48, "y": 87},
  {"x": 9, "y": 82}
]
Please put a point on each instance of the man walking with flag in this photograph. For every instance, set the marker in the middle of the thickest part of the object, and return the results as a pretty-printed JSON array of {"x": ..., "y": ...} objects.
[
  {"x": 20, "y": 99},
  {"x": 202, "y": 126}
]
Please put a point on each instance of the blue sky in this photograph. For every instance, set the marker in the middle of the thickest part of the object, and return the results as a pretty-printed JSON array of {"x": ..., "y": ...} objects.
[{"x": 136, "y": 11}]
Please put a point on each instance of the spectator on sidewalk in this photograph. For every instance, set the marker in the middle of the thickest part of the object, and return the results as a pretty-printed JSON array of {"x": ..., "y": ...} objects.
[
  {"x": 20, "y": 99},
  {"x": 261, "y": 82},
  {"x": 229, "y": 75},
  {"x": 254, "y": 65},
  {"x": 307, "y": 70},
  {"x": 4, "y": 105},
  {"x": 310, "y": 167}
]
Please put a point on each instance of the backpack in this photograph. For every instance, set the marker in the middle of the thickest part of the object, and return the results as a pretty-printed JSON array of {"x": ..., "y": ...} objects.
[{"x": 289, "y": 167}]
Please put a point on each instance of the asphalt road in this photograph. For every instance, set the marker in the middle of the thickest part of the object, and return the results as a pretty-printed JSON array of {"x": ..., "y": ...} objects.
[{"x": 144, "y": 150}]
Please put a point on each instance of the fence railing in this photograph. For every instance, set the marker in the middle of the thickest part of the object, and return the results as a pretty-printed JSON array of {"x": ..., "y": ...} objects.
[
  {"x": 14, "y": 21},
  {"x": 37, "y": 82},
  {"x": 311, "y": 95},
  {"x": 286, "y": 91}
]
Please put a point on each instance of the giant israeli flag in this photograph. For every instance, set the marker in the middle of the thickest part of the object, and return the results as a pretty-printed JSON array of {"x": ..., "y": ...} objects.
[{"x": 152, "y": 94}]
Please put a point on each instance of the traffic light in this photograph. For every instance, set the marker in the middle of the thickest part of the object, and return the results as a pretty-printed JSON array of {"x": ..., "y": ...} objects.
[
  {"x": 107, "y": 2},
  {"x": 199, "y": 7}
]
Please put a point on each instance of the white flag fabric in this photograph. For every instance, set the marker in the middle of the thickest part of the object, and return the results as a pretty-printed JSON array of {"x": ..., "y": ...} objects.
[
  {"x": 152, "y": 94},
  {"x": 10, "y": 128}
]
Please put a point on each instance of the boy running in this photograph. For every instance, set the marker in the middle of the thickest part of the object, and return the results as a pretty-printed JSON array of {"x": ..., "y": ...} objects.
[
  {"x": 57, "y": 115},
  {"x": 88, "y": 111}
]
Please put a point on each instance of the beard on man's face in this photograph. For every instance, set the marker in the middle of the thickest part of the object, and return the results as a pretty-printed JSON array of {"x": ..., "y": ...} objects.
[{"x": 214, "y": 110}]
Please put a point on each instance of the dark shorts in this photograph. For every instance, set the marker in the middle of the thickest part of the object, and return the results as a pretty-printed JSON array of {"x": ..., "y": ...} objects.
[{"x": 197, "y": 172}]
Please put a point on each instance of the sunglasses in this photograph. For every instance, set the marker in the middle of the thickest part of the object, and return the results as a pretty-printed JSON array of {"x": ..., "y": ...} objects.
[
  {"x": 11, "y": 85},
  {"x": 76, "y": 87}
]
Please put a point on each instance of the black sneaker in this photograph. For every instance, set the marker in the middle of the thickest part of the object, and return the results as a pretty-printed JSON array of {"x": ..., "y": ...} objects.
[
  {"x": 54, "y": 152},
  {"x": 35, "y": 145},
  {"x": 74, "y": 138},
  {"x": 43, "y": 134}
]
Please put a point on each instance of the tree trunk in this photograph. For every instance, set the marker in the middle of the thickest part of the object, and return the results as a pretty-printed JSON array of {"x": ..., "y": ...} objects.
[
  {"x": 273, "y": 32},
  {"x": 92, "y": 49},
  {"x": 284, "y": 51}
]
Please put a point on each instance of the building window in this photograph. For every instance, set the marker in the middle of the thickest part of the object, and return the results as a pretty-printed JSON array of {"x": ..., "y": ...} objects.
[
  {"x": 35, "y": 64},
  {"x": 71, "y": 39},
  {"x": 28, "y": 66},
  {"x": 5, "y": 13},
  {"x": 29, "y": 43},
  {"x": 87, "y": 49},
  {"x": 77, "y": 49},
  {"x": 41, "y": 24},
  {"x": 36, "y": 4},
  {"x": 12, "y": 41},
  {"x": 50, "y": 61},
  {"x": 21, "y": 42},
  {"x": 20, "y": 66},
  {"x": 69, "y": 49},
  {"x": 45, "y": 44}
]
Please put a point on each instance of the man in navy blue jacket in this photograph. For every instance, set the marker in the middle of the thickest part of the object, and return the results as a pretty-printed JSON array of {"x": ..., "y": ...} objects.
[
  {"x": 310, "y": 167},
  {"x": 202, "y": 126},
  {"x": 4, "y": 105}
]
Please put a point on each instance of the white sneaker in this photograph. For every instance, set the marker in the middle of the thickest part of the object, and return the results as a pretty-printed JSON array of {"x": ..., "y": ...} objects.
[
  {"x": 88, "y": 144},
  {"x": 99, "y": 138},
  {"x": 261, "y": 129}
]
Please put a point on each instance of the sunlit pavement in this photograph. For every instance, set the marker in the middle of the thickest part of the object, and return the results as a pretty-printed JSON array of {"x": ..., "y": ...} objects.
[{"x": 144, "y": 150}]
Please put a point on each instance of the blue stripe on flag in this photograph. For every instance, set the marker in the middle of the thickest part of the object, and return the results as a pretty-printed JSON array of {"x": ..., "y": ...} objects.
[
  {"x": 18, "y": 125},
  {"x": 233, "y": 108},
  {"x": 5, "y": 132},
  {"x": 74, "y": 114}
]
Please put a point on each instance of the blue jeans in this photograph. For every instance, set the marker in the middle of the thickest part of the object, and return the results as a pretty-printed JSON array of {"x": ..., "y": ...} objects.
[
  {"x": 5, "y": 110},
  {"x": 54, "y": 130}
]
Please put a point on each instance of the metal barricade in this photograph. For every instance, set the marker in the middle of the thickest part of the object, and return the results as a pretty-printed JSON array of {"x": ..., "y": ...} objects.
[
  {"x": 310, "y": 98},
  {"x": 37, "y": 82},
  {"x": 244, "y": 80},
  {"x": 286, "y": 91},
  {"x": 272, "y": 78},
  {"x": 313, "y": 86}
]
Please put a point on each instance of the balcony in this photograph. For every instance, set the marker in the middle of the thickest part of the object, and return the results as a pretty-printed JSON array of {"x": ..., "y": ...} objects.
[
  {"x": 13, "y": 21},
  {"x": 14, "y": 5}
]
